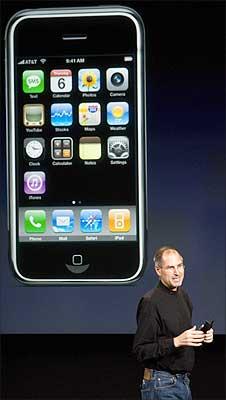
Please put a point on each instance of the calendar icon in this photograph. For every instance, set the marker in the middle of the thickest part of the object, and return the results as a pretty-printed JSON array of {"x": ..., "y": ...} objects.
[{"x": 61, "y": 80}]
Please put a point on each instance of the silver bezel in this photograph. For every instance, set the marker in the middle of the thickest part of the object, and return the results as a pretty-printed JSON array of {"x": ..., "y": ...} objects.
[{"x": 141, "y": 120}]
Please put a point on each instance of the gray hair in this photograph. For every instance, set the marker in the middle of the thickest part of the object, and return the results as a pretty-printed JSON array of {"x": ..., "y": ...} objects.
[{"x": 159, "y": 253}]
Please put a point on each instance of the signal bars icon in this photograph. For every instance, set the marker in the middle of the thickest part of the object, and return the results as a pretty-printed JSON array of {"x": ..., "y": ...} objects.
[{"x": 34, "y": 61}]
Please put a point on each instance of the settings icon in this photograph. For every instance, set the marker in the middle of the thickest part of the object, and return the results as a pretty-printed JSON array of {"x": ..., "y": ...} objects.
[{"x": 118, "y": 147}]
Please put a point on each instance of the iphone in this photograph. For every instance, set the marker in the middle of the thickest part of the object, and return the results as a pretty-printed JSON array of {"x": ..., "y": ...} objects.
[{"x": 76, "y": 145}]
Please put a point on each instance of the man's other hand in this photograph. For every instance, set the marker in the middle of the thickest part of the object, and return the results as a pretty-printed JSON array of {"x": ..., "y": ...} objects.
[
  {"x": 208, "y": 337},
  {"x": 191, "y": 337}
]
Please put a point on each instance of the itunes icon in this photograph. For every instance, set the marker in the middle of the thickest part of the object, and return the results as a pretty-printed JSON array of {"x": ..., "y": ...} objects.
[{"x": 34, "y": 182}]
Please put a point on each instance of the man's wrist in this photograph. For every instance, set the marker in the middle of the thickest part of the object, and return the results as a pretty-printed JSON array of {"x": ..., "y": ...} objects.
[{"x": 176, "y": 342}]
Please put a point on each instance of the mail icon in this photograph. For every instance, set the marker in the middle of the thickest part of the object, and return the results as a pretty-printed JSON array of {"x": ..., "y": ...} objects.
[{"x": 63, "y": 221}]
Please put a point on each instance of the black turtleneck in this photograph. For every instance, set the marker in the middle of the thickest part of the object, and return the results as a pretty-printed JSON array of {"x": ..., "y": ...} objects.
[{"x": 163, "y": 314}]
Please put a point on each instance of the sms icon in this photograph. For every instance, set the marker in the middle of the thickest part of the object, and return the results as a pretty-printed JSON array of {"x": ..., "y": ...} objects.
[{"x": 33, "y": 81}]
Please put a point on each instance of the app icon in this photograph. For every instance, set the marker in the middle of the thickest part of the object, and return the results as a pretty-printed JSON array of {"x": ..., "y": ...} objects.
[
  {"x": 119, "y": 220},
  {"x": 117, "y": 79},
  {"x": 89, "y": 80},
  {"x": 90, "y": 148},
  {"x": 33, "y": 81},
  {"x": 34, "y": 148},
  {"x": 91, "y": 221},
  {"x": 34, "y": 182},
  {"x": 61, "y": 114},
  {"x": 33, "y": 114},
  {"x": 63, "y": 221},
  {"x": 35, "y": 221},
  {"x": 61, "y": 80},
  {"x": 89, "y": 114},
  {"x": 62, "y": 148},
  {"x": 118, "y": 147},
  {"x": 118, "y": 113}
]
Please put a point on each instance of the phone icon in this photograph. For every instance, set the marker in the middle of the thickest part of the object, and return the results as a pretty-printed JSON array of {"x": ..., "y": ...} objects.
[{"x": 35, "y": 221}]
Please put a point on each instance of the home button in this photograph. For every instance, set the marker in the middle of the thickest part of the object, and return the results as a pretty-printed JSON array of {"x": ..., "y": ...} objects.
[
  {"x": 77, "y": 266},
  {"x": 77, "y": 259}
]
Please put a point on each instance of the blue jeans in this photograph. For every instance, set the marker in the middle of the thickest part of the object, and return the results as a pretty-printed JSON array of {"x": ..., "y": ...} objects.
[{"x": 165, "y": 386}]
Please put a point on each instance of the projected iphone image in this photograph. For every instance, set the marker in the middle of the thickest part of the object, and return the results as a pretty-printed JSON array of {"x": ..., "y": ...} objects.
[{"x": 76, "y": 134}]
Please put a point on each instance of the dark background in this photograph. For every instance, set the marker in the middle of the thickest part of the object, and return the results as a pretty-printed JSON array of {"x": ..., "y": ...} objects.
[
  {"x": 186, "y": 186},
  {"x": 186, "y": 179}
]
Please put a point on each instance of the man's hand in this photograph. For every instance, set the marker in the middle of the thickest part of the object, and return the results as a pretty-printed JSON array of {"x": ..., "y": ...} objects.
[
  {"x": 191, "y": 337},
  {"x": 208, "y": 337}
]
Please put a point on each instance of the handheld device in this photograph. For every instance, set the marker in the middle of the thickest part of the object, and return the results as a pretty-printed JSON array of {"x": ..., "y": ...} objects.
[
  {"x": 206, "y": 326},
  {"x": 76, "y": 145}
]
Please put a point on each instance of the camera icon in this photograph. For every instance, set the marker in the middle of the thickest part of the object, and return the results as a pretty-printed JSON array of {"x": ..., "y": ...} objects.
[{"x": 117, "y": 79}]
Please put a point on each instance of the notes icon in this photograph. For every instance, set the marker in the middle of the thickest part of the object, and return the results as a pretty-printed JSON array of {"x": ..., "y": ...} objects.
[{"x": 34, "y": 182}]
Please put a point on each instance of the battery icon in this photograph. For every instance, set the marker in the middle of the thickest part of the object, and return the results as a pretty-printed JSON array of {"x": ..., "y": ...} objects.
[{"x": 128, "y": 58}]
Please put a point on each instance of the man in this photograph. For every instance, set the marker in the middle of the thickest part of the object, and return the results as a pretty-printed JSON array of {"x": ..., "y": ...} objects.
[{"x": 165, "y": 339}]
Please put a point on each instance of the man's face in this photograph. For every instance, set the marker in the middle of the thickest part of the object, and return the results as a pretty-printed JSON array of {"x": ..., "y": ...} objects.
[{"x": 171, "y": 271}]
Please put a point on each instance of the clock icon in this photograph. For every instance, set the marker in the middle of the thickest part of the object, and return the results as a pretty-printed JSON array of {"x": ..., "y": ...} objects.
[{"x": 34, "y": 148}]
